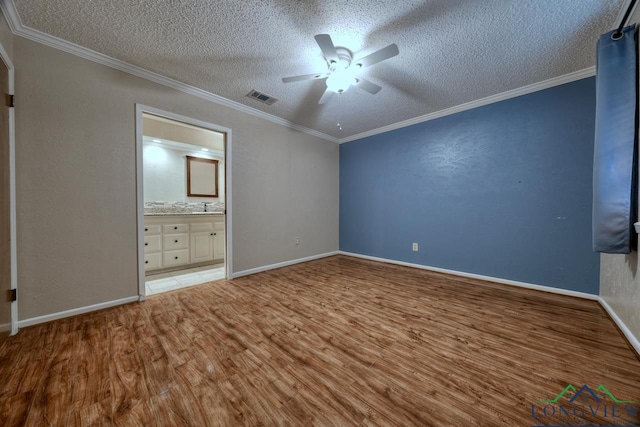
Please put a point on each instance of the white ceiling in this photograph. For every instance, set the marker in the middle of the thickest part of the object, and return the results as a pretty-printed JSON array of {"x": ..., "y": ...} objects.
[{"x": 451, "y": 51}]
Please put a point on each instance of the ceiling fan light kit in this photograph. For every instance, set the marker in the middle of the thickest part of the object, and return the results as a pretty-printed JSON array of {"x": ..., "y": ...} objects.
[
  {"x": 340, "y": 82},
  {"x": 343, "y": 71},
  {"x": 342, "y": 74}
]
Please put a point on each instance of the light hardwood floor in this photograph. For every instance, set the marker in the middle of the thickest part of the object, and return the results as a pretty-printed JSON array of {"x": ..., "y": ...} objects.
[{"x": 338, "y": 341}]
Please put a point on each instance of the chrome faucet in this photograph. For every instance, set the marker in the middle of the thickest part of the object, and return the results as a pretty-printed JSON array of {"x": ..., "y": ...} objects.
[{"x": 205, "y": 206}]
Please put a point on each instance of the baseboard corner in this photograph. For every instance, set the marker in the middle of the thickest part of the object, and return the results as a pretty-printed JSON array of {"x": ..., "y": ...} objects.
[{"x": 631, "y": 338}]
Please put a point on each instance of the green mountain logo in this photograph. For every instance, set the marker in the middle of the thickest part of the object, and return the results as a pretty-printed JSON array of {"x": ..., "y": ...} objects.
[
  {"x": 608, "y": 393},
  {"x": 585, "y": 388},
  {"x": 562, "y": 393}
]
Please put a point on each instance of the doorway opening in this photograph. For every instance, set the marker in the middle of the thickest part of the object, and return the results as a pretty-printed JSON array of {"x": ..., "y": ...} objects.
[{"x": 183, "y": 201}]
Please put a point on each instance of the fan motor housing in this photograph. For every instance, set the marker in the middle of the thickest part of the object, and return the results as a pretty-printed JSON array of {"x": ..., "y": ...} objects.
[{"x": 344, "y": 59}]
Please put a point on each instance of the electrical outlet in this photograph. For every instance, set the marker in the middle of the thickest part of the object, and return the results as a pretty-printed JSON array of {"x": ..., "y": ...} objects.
[
  {"x": 297, "y": 241},
  {"x": 415, "y": 247}
]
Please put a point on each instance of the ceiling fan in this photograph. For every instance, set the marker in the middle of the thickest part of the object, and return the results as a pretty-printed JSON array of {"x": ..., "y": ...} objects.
[{"x": 343, "y": 71}]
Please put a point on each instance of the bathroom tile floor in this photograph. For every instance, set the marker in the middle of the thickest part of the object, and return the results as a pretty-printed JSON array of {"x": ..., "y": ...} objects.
[{"x": 163, "y": 282}]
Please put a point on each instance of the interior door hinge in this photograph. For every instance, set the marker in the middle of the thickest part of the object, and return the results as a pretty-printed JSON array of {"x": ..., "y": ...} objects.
[
  {"x": 12, "y": 99},
  {"x": 12, "y": 295}
]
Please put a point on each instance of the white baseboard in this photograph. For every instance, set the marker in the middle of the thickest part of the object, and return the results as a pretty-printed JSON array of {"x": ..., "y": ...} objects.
[
  {"x": 74, "y": 312},
  {"x": 633, "y": 340},
  {"x": 95, "y": 307},
  {"x": 281, "y": 264},
  {"x": 479, "y": 277}
]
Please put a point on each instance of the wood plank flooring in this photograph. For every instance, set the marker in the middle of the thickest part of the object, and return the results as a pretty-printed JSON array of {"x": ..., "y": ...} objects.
[{"x": 338, "y": 341}]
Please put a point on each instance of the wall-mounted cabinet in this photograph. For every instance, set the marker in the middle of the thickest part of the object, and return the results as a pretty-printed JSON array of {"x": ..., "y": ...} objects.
[{"x": 176, "y": 240}]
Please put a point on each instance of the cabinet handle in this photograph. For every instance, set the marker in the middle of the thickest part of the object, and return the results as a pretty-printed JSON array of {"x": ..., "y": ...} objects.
[
  {"x": 215, "y": 234},
  {"x": 146, "y": 244},
  {"x": 211, "y": 234},
  {"x": 176, "y": 257},
  {"x": 175, "y": 241},
  {"x": 175, "y": 228},
  {"x": 146, "y": 229},
  {"x": 146, "y": 262}
]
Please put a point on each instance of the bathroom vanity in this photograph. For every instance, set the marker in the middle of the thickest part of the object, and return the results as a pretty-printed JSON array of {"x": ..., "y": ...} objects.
[{"x": 175, "y": 240}]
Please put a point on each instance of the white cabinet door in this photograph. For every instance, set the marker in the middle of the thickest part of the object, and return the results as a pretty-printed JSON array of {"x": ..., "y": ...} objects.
[
  {"x": 218, "y": 245},
  {"x": 202, "y": 248}
]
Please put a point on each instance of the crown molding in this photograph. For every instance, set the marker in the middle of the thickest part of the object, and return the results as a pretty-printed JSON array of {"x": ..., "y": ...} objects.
[
  {"x": 524, "y": 90},
  {"x": 17, "y": 28},
  {"x": 11, "y": 15},
  {"x": 546, "y": 84}
]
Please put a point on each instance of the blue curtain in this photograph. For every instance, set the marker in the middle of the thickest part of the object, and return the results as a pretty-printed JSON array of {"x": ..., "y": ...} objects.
[{"x": 615, "y": 164}]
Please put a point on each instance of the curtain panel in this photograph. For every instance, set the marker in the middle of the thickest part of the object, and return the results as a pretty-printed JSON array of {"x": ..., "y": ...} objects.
[{"x": 615, "y": 154}]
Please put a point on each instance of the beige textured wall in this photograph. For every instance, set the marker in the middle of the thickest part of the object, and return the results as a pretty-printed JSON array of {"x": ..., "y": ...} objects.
[
  {"x": 620, "y": 277},
  {"x": 76, "y": 194},
  {"x": 620, "y": 287}
]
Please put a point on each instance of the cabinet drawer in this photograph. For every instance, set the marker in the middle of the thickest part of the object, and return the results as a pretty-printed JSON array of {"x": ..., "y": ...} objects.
[
  {"x": 206, "y": 226},
  {"x": 175, "y": 228},
  {"x": 152, "y": 261},
  {"x": 175, "y": 241},
  {"x": 172, "y": 258},
  {"x": 152, "y": 244},
  {"x": 151, "y": 229}
]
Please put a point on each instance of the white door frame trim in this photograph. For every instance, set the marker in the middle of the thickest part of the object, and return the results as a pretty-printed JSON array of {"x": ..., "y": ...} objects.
[
  {"x": 4, "y": 56},
  {"x": 228, "y": 256}
]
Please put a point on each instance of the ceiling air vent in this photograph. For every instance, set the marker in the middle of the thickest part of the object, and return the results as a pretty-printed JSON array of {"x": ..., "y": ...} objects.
[{"x": 259, "y": 96}]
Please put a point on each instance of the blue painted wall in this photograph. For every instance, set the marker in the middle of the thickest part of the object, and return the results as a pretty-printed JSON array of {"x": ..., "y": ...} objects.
[{"x": 502, "y": 190}]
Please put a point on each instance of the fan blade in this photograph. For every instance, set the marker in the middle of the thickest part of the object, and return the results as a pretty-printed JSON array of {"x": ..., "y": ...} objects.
[
  {"x": 379, "y": 56},
  {"x": 305, "y": 77},
  {"x": 363, "y": 84},
  {"x": 327, "y": 47},
  {"x": 325, "y": 96}
]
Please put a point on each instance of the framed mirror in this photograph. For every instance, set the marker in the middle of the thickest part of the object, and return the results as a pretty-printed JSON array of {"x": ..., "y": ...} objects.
[{"x": 202, "y": 177}]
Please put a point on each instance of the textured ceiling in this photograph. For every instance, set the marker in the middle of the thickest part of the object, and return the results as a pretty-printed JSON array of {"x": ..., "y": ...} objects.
[{"x": 451, "y": 51}]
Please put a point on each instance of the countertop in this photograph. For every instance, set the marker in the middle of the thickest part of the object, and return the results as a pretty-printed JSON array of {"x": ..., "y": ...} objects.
[{"x": 182, "y": 213}]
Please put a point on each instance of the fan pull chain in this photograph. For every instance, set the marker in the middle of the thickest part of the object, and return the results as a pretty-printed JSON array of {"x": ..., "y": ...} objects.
[{"x": 338, "y": 112}]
